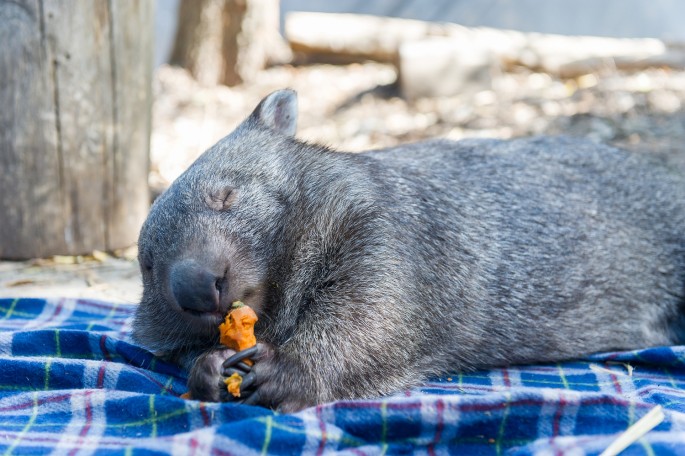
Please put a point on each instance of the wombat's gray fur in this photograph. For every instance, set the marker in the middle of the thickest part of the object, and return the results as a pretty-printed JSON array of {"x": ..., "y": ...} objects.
[{"x": 372, "y": 272}]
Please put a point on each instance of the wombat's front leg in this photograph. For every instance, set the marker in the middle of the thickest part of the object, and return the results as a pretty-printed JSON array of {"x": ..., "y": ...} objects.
[
  {"x": 290, "y": 378},
  {"x": 205, "y": 381},
  {"x": 273, "y": 381},
  {"x": 269, "y": 382}
]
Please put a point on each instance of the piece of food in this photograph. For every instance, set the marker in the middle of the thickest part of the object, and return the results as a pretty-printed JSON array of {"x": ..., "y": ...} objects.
[
  {"x": 233, "y": 384},
  {"x": 237, "y": 333}
]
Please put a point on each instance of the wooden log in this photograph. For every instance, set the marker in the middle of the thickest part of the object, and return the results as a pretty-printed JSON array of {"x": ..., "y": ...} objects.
[
  {"x": 443, "y": 59},
  {"x": 326, "y": 37},
  {"x": 442, "y": 66},
  {"x": 75, "y": 84}
]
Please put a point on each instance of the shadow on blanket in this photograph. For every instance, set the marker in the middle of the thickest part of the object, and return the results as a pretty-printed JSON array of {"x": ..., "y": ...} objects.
[{"x": 71, "y": 379}]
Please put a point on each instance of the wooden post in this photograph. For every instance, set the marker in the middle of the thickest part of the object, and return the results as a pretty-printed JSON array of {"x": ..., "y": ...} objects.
[
  {"x": 228, "y": 41},
  {"x": 75, "y": 97}
]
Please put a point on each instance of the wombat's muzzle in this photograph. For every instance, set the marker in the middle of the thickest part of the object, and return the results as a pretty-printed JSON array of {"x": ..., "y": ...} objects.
[{"x": 196, "y": 288}]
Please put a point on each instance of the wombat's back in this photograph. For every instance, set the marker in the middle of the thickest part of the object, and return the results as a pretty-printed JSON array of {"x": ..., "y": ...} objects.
[{"x": 584, "y": 240}]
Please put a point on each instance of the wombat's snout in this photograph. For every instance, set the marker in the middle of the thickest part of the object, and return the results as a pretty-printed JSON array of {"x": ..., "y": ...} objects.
[{"x": 196, "y": 288}]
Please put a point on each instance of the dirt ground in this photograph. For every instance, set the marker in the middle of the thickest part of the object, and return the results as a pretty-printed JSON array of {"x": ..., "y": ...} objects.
[{"x": 357, "y": 107}]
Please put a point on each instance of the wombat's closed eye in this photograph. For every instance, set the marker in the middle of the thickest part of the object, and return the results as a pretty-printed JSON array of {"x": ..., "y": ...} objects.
[
  {"x": 221, "y": 199},
  {"x": 145, "y": 260}
]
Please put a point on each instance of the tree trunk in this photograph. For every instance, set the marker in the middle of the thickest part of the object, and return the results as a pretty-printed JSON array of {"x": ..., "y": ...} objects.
[
  {"x": 228, "y": 41},
  {"x": 75, "y": 87}
]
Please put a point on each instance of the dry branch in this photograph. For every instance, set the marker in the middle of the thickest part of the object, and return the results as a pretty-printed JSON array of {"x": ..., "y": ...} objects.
[{"x": 439, "y": 59}]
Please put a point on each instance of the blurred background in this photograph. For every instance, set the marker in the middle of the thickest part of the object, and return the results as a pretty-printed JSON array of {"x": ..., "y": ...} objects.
[{"x": 369, "y": 74}]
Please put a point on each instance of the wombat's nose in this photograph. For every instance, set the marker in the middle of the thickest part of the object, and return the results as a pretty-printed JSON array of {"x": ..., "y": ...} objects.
[{"x": 194, "y": 287}]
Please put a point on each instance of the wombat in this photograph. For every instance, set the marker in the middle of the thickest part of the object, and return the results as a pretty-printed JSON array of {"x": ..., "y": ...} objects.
[{"x": 372, "y": 272}]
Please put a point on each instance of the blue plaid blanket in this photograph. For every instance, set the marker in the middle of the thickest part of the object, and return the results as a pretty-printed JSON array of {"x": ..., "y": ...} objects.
[{"x": 72, "y": 382}]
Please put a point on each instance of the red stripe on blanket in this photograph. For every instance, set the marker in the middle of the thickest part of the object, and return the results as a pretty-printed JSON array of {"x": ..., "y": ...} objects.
[
  {"x": 155, "y": 381},
  {"x": 86, "y": 426},
  {"x": 29, "y": 404},
  {"x": 105, "y": 353},
  {"x": 194, "y": 445},
  {"x": 375, "y": 405},
  {"x": 505, "y": 378},
  {"x": 556, "y": 423},
  {"x": 58, "y": 310},
  {"x": 205, "y": 416},
  {"x": 103, "y": 348},
  {"x": 557, "y": 417},
  {"x": 614, "y": 380},
  {"x": 440, "y": 407},
  {"x": 101, "y": 376},
  {"x": 322, "y": 426},
  {"x": 101, "y": 305}
]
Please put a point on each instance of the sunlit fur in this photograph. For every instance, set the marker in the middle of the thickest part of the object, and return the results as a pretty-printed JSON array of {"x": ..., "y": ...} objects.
[{"x": 376, "y": 270}]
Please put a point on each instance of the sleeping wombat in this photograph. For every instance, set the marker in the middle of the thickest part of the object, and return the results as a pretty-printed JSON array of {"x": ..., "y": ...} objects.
[{"x": 372, "y": 272}]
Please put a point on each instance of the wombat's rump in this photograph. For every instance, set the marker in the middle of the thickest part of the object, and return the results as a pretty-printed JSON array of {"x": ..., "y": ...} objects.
[{"x": 371, "y": 272}]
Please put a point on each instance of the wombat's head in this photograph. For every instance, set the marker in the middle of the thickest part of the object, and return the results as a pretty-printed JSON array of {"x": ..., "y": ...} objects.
[{"x": 213, "y": 236}]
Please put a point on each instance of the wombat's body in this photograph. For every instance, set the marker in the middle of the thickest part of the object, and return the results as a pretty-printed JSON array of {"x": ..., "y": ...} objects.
[{"x": 371, "y": 272}]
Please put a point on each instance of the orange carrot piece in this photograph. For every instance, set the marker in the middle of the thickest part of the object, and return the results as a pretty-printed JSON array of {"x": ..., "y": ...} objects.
[
  {"x": 237, "y": 333},
  {"x": 233, "y": 384}
]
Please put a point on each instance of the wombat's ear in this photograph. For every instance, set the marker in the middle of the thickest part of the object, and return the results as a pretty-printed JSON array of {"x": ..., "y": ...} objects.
[{"x": 278, "y": 111}]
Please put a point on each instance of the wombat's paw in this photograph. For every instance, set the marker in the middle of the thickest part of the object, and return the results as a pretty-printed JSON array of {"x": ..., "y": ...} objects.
[
  {"x": 266, "y": 384},
  {"x": 205, "y": 382}
]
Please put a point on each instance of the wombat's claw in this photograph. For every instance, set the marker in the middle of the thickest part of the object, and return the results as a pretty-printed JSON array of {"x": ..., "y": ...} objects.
[
  {"x": 243, "y": 366},
  {"x": 235, "y": 360},
  {"x": 240, "y": 368},
  {"x": 252, "y": 399},
  {"x": 248, "y": 381},
  {"x": 234, "y": 370}
]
